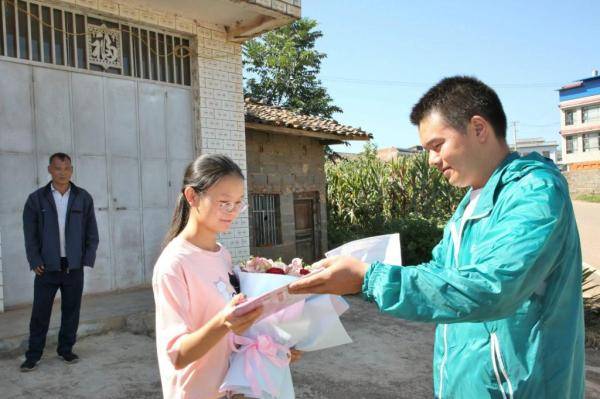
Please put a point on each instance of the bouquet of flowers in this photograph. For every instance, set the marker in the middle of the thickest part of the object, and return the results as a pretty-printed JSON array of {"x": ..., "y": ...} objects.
[{"x": 259, "y": 366}]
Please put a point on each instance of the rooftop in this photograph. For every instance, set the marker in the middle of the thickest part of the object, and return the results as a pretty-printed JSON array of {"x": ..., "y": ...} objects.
[
  {"x": 581, "y": 89},
  {"x": 282, "y": 120},
  {"x": 535, "y": 142}
]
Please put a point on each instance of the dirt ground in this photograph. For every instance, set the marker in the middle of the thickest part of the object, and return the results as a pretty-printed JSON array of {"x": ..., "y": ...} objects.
[{"x": 389, "y": 358}]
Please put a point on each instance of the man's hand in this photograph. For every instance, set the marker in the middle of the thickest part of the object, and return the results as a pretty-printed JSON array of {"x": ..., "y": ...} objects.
[
  {"x": 342, "y": 275},
  {"x": 39, "y": 270}
]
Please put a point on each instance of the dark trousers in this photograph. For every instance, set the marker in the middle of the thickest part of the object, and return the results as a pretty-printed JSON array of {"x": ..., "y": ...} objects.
[{"x": 70, "y": 283}]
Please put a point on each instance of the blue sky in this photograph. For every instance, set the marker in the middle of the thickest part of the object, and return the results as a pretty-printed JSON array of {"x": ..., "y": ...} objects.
[{"x": 382, "y": 55}]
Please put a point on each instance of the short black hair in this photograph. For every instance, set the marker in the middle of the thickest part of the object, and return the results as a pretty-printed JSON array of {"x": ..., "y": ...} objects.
[
  {"x": 458, "y": 99},
  {"x": 60, "y": 155}
]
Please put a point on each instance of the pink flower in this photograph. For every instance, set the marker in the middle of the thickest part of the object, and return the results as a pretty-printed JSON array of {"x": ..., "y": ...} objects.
[
  {"x": 258, "y": 265},
  {"x": 294, "y": 267}
]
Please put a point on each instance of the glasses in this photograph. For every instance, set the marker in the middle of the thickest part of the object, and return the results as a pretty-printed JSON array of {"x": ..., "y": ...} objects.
[{"x": 229, "y": 207}]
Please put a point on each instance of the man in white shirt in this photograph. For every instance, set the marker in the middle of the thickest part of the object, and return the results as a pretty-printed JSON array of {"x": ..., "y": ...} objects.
[{"x": 61, "y": 236}]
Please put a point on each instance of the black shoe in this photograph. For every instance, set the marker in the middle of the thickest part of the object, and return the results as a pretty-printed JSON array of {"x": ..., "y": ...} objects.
[
  {"x": 28, "y": 365},
  {"x": 69, "y": 357}
]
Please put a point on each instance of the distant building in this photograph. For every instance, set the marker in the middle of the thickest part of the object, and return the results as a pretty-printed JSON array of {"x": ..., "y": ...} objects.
[
  {"x": 390, "y": 153},
  {"x": 580, "y": 123},
  {"x": 579, "y": 104},
  {"x": 549, "y": 149}
]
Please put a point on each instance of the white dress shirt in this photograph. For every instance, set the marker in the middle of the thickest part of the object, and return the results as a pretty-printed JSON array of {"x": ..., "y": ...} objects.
[{"x": 61, "y": 201}]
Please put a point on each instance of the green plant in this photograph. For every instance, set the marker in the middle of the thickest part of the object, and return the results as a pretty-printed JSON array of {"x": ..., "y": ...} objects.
[
  {"x": 366, "y": 196},
  {"x": 593, "y": 300},
  {"x": 282, "y": 69},
  {"x": 589, "y": 197}
]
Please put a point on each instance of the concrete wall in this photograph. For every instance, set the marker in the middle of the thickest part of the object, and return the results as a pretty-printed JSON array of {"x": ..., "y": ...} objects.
[
  {"x": 1, "y": 279},
  {"x": 216, "y": 83},
  {"x": 284, "y": 165},
  {"x": 583, "y": 181},
  {"x": 217, "y": 103}
]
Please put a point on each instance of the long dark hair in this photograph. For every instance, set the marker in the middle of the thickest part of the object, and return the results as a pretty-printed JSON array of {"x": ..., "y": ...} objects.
[{"x": 201, "y": 174}]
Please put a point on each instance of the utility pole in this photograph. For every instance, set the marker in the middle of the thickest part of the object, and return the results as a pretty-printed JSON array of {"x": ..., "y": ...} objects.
[{"x": 514, "y": 123}]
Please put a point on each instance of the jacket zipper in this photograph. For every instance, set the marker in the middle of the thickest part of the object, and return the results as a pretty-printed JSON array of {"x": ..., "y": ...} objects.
[
  {"x": 498, "y": 363},
  {"x": 443, "y": 363},
  {"x": 456, "y": 240}
]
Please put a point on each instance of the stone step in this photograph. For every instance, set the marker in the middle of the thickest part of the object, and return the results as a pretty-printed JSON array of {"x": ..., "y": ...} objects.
[{"x": 131, "y": 310}]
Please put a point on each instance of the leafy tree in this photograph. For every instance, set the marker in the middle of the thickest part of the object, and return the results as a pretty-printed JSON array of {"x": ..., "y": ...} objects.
[{"x": 283, "y": 67}]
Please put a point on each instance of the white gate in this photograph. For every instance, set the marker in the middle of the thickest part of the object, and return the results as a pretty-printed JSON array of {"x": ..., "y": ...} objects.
[{"x": 130, "y": 141}]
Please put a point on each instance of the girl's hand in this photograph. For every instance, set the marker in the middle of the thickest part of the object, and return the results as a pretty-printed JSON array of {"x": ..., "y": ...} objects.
[
  {"x": 238, "y": 325},
  {"x": 295, "y": 355}
]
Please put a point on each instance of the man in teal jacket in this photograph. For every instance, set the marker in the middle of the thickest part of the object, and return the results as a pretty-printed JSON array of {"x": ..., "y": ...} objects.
[{"x": 504, "y": 284}]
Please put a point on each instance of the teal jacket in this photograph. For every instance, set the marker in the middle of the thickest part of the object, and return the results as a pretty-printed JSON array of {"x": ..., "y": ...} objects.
[{"x": 505, "y": 291}]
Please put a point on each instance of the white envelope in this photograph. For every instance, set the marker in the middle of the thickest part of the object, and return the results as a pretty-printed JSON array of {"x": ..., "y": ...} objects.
[{"x": 384, "y": 248}]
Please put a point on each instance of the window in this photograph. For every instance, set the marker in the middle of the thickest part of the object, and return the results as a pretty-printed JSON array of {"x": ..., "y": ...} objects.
[
  {"x": 591, "y": 142},
  {"x": 569, "y": 117},
  {"x": 48, "y": 34},
  {"x": 590, "y": 114},
  {"x": 586, "y": 142},
  {"x": 266, "y": 219},
  {"x": 571, "y": 144}
]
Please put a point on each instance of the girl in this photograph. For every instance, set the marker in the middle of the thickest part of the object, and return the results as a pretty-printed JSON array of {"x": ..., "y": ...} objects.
[{"x": 192, "y": 290}]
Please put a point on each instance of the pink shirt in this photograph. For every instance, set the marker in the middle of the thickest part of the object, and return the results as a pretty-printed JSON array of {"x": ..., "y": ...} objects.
[{"x": 190, "y": 285}]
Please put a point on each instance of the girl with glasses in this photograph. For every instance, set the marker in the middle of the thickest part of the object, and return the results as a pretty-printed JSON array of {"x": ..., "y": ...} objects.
[{"x": 193, "y": 293}]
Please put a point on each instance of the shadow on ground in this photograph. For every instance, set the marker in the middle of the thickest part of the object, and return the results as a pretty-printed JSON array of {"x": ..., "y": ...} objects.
[{"x": 388, "y": 359}]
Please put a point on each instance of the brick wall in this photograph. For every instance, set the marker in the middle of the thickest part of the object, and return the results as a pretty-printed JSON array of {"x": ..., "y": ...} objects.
[
  {"x": 583, "y": 181},
  {"x": 285, "y": 165}
]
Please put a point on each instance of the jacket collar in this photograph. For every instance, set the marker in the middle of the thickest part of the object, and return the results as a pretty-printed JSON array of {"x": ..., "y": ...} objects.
[
  {"x": 48, "y": 194},
  {"x": 488, "y": 193}
]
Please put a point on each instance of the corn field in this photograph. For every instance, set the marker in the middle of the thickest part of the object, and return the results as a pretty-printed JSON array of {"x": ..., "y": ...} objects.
[
  {"x": 367, "y": 196},
  {"x": 359, "y": 189}
]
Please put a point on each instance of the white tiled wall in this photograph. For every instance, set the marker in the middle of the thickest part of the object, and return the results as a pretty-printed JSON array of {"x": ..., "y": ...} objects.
[{"x": 221, "y": 117}]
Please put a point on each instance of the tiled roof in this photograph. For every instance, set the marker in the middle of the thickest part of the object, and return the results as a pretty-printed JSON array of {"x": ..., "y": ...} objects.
[{"x": 282, "y": 117}]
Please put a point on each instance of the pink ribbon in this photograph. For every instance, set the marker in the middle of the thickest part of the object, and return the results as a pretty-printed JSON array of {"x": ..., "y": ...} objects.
[{"x": 256, "y": 349}]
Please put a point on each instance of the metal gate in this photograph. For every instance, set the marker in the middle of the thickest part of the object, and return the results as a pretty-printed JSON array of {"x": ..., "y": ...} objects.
[{"x": 130, "y": 141}]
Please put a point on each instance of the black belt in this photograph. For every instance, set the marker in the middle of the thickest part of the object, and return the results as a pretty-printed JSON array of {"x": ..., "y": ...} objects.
[{"x": 64, "y": 264}]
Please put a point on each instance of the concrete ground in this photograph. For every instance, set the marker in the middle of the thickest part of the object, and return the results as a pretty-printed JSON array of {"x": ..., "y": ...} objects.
[
  {"x": 389, "y": 358},
  {"x": 131, "y": 310},
  {"x": 588, "y": 224},
  {"x": 117, "y": 365}
]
